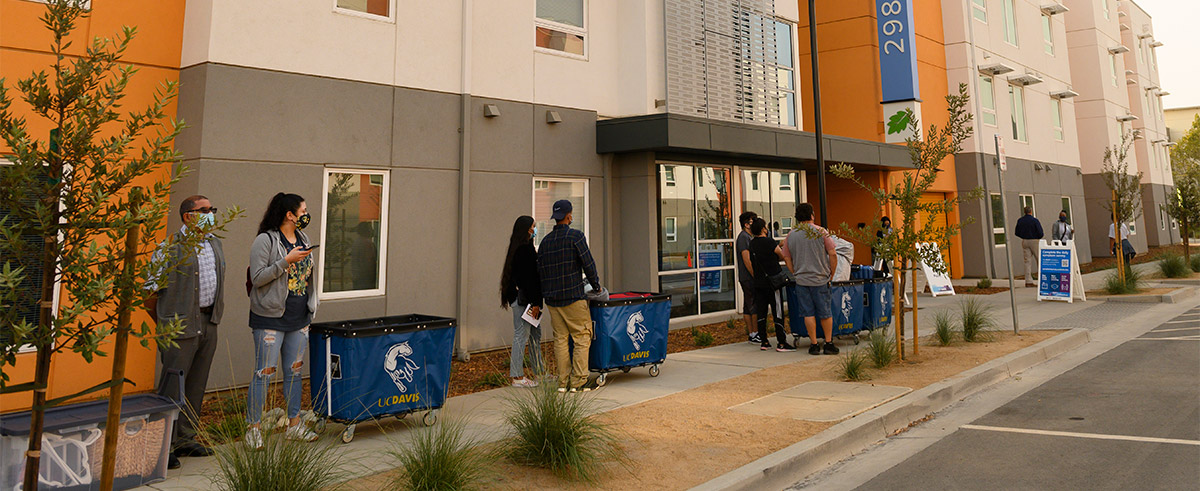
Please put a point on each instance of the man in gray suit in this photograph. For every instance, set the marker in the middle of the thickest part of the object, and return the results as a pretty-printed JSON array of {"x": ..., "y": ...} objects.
[{"x": 191, "y": 290}]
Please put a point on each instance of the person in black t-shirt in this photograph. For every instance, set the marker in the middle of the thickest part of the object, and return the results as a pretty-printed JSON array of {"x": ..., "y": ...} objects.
[
  {"x": 745, "y": 279},
  {"x": 765, "y": 255}
]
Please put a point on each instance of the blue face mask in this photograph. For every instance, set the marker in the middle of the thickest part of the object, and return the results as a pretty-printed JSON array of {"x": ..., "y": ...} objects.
[{"x": 205, "y": 220}]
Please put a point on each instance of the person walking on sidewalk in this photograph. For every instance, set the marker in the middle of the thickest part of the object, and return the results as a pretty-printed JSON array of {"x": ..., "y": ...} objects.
[
  {"x": 765, "y": 255},
  {"x": 1029, "y": 230},
  {"x": 194, "y": 294},
  {"x": 283, "y": 301},
  {"x": 521, "y": 290},
  {"x": 745, "y": 278},
  {"x": 812, "y": 259},
  {"x": 563, "y": 259},
  {"x": 1062, "y": 229},
  {"x": 1126, "y": 247}
]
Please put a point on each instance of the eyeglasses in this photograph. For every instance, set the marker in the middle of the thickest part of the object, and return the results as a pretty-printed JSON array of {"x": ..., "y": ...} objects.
[{"x": 211, "y": 209}]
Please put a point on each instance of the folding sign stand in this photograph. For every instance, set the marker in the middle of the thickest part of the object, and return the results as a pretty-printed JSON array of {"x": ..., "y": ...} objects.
[{"x": 1058, "y": 272}]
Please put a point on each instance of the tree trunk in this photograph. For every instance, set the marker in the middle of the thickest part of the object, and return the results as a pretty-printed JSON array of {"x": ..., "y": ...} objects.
[
  {"x": 1187, "y": 243},
  {"x": 899, "y": 309},
  {"x": 916, "y": 338},
  {"x": 41, "y": 374}
]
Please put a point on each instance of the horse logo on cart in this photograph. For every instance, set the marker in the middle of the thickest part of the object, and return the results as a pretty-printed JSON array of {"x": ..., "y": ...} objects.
[
  {"x": 399, "y": 366},
  {"x": 635, "y": 327},
  {"x": 847, "y": 304}
]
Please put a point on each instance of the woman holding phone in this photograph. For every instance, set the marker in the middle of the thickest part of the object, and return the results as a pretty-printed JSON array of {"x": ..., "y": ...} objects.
[{"x": 282, "y": 302}]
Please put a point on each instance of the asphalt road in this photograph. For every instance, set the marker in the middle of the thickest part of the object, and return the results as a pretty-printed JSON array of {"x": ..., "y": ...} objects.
[{"x": 1127, "y": 419}]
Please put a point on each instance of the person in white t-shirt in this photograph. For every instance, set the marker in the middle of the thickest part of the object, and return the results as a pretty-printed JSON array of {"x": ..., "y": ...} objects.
[{"x": 1126, "y": 247}]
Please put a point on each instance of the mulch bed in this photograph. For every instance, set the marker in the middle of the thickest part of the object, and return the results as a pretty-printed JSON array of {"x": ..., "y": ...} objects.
[
  {"x": 971, "y": 290},
  {"x": 1102, "y": 263}
]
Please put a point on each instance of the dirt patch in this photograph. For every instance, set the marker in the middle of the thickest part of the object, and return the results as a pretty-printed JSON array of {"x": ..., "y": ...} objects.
[
  {"x": 685, "y": 439},
  {"x": 971, "y": 290},
  {"x": 1151, "y": 254}
]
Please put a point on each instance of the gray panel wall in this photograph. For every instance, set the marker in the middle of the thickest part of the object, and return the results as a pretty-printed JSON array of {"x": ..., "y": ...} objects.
[
  {"x": 1099, "y": 199},
  {"x": 1158, "y": 226},
  {"x": 255, "y": 132},
  {"x": 1047, "y": 187}
]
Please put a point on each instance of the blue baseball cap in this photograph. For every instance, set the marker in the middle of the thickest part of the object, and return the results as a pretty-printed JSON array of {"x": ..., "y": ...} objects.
[{"x": 561, "y": 208}]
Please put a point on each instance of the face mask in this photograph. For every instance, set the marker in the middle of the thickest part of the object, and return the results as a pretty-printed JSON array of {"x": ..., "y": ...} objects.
[
  {"x": 205, "y": 220},
  {"x": 303, "y": 221},
  {"x": 1062, "y": 219},
  {"x": 535, "y": 231}
]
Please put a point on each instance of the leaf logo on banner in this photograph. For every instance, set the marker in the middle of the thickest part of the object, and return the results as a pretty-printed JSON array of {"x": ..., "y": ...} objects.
[{"x": 899, "y": 121}]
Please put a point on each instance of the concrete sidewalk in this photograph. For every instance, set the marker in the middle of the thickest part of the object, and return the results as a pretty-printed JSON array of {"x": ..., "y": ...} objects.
[{"x": 682, "y": 371}]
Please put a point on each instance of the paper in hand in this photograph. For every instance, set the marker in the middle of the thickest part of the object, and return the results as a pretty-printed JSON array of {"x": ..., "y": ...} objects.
[{"x": 535, "y": 321}]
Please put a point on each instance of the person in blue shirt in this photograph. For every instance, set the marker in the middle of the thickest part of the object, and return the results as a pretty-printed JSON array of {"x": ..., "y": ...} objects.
[{"x": 1029, "y": 230}]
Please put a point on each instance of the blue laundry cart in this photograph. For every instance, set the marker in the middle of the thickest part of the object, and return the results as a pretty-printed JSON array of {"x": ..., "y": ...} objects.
[
  {"x": 847, "y": 307},
  {"x": 390, "y": 366},
  {"x": 629, "y": 330},
  {"x": 881, "y": 298}
]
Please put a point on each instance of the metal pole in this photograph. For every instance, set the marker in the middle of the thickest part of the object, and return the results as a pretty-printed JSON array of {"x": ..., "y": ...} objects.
[
  {"x": 816, "y": 94},
  {"x": 1012, "y": 295}
]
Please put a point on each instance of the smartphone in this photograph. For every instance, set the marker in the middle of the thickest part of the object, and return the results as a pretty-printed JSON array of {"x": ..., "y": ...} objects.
[{"x": 311, "y": 247}]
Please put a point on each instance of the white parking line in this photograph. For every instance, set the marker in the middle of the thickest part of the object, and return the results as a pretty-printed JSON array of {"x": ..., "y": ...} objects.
[
  {"x": 1184, "y": 338},
  {"x": 1177, "y": 329},
  {"x": 1072, "y": 434},
  {"x": 1193, "y": 321}
]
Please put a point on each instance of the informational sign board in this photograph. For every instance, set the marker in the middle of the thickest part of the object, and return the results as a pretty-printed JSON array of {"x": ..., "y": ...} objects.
[
  {"x": 897, "y": 50},
  {"x": 939, "y": 283},
  {"x": 1058, "y": 272},
  {"x": 1003, "y": 160}
]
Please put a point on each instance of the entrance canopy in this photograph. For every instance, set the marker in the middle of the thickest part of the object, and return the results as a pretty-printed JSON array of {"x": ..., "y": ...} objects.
[{"x": 674, "y": 133}]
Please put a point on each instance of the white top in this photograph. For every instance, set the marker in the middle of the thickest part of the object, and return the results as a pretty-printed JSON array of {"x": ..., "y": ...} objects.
[{"x": 1124, "y": 231}]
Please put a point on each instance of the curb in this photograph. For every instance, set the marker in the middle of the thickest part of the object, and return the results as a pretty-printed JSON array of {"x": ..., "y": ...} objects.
[
  {"x": 1175, "y": 296},
  {"x": 792, "y": 464}
]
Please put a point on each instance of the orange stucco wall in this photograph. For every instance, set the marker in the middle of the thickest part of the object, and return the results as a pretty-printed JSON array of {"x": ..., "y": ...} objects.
[
  {"x": 850, "y": 95},
  {"x": 155, "y": 52}
]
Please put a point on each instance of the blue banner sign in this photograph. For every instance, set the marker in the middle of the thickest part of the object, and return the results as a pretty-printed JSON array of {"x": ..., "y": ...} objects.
[
  {"x": 897, "y": 50},
  {"x": 1055, "y": 278}
]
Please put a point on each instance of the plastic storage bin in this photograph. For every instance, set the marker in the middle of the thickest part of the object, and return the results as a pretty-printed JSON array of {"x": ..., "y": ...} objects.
[
  {"x": 880, "y": 302},
  {"x": 390, "y": 366},
  {"x": 629, "y": 330},
  {"x": 847, "y": 308},
  {"x": 73, "y": 444}
]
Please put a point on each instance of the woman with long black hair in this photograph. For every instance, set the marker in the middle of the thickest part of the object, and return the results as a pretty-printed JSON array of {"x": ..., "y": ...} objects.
[
  {"x": 282, "y": 303},
  {"x": 521, "y": 290}
]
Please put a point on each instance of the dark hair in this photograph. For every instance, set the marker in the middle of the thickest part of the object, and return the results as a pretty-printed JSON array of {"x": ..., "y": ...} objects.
[
  {"x": 757, "y": 225},
  {"x": 278, "y": 209},
  {"x": 1028, "y": 210},
  {"x": 885, "y": 219},
  {"x": 520, "y": 236},
  {"x": 188, "y": 203},
  {"x": 747, "y": 217},
  {"x": 804, "y": 212}
]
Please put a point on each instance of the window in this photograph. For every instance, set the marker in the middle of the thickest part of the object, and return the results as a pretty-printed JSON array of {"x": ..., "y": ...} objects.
[
  {"x": 785, "y": 180},
  {"x": 369, "y": 8},
  {"x": 1056, "y": 118},
  {"x": 754, "y": 179},
  {"x": 548, "y": 190},
  {"x": 1153, "y": 58},
  {"x": 1103, "y": 3},
  {"x": 1140, "y": 47},
  {"x": 1010, "y": 23},
  {"x": 668, "y": 175},
  {"x": 998, "y": 233},
  {"x": 1026, "y": 202},
  {"x": 1066, "y": 206},
  {"x": 1016, "y": 106},
  {"x": 785, "y": 67},
  {"x": 979, "y": 10},
  {"x": 26, "y": 304},
  {"x": 1162, "y": 215},
  {"x": 561, "y": 26},
  {"x": 987, "y": 98},
  {"x": 1048, "y": 33},
  {"x": 354, "y": 228},
  {"x": 1112, "y": 68},
  {"x": 697, "y": 267}
]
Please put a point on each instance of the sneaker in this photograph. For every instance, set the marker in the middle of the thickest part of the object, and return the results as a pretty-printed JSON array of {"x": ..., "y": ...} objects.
[
  {"x": 300, "y": 432},
  {"x": 814, "y": 349},
  {"x": 254, "y": 439},
  {"x": 562, "y": 389},
  {"x": 524, "y": 382},
  {"x": 784, "y": 347},
  {"x": 754, "y": 339},
  {"x": 830, "y": 349},
  {"x": 764, "y": 346}
]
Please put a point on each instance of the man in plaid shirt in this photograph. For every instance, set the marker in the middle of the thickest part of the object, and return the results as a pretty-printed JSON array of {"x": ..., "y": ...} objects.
[{"x": 563, "y": 259}]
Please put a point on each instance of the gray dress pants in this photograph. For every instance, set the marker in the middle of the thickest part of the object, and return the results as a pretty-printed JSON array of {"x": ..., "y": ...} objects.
[{"x": 194, "y": 356}]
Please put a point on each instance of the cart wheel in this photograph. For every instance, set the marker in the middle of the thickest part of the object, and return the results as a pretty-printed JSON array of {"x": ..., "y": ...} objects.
[
  {"x": 653, "y": 370},
  {"x": 601, "y": 380},
  {"x": 401, "y": 416},
  {"x": 319, "y": 427},
  {"x": 857, "y": 339},
  {"x": 625, "y": 370},
  {"x": 430, "y": 418},
  {"x": 348, "y": 433}
]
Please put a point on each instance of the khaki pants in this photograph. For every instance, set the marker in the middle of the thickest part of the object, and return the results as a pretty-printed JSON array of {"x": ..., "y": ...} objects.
[
  {"x": 572, "y": 322},
  {"x": 1029, "y": 247}
]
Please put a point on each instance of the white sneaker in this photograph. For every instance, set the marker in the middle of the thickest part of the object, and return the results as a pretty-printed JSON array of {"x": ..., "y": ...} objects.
[
  {"x": 300, "y": 432},
  {"x": 524, "y": 382},
  {"x": 254, "y": 439}
]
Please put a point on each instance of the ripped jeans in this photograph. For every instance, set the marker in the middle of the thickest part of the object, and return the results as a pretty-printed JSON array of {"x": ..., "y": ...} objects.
[{"x": 271, "y": 349}]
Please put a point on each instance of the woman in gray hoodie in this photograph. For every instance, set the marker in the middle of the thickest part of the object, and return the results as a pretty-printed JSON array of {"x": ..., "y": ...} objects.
[{"x": 283, "y": 299}]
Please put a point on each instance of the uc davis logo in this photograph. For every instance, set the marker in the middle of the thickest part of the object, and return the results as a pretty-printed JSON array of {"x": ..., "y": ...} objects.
[
  {"x": 847, "y": 305},
  {"x": 635, "y": 327},
  {"x": 399, "y": 366}
]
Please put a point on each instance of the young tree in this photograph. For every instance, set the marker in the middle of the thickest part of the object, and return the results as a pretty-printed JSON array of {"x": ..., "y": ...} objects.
[
  {"x": 901, "y": 246},
  {"x": 1184, "y": 205},
  {"x": 1117, "y": 178},
  {"x": 69, "y": 201}
]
